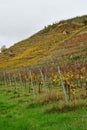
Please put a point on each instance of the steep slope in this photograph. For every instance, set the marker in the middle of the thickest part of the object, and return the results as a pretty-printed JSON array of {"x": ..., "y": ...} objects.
[{"x": 66, "y": 39}]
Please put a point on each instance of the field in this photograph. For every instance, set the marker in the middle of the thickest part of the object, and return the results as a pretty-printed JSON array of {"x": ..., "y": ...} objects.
[
  {"x": 44, "y": 99},
  {"x": 51, "y": 98},
  {"x": 20, "y": 112}
]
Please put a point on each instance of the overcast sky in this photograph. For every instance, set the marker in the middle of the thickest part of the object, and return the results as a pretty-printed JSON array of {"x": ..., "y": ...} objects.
[{"x": 19, "y": 19}]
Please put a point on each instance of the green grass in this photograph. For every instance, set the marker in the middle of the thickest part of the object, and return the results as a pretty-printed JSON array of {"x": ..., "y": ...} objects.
[{"x": 20, "y": 112}]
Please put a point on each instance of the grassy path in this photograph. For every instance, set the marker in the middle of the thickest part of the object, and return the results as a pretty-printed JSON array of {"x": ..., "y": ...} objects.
[{"x": 19, "y": 113}]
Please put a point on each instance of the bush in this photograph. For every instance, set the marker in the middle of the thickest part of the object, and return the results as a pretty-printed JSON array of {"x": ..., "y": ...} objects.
[{"x": 85, "y": 22}]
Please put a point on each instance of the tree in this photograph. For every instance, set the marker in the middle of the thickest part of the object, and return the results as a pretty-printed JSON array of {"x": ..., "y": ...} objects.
[{"x": 3, "y": 48}]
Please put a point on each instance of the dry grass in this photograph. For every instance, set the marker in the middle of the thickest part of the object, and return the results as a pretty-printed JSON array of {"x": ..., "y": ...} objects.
[{"x": 38, "y": 49}]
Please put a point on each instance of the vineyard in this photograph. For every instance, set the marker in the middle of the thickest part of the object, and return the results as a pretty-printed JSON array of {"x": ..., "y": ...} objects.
[
  {"x": 48, "y": 84},
  {"x": 43, "y": 79}
]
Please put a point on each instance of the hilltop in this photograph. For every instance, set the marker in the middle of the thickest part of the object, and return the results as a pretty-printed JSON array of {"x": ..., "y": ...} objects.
[{"x": 63, "y": 41}]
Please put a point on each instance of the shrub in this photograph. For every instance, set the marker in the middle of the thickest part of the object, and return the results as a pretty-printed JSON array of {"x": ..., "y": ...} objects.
[{"x": 85, "y": 22}]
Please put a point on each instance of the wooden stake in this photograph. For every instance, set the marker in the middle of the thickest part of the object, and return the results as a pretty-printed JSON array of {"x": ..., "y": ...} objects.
[
  {"x": 44, "y": 82},
  {"x": 64, "y": 90},
  {"x": 32, "y": 84}
]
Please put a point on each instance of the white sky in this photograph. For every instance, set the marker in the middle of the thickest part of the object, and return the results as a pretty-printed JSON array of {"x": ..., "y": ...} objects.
[{"x": 19, "y": 19}]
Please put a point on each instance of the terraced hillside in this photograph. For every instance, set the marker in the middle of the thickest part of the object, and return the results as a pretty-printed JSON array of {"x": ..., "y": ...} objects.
[{"x": 66, "y": 40}]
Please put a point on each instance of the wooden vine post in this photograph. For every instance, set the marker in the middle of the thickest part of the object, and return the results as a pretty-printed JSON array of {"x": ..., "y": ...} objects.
[
  {"x": 9, "y": 76},
  {"x": 21, "y": 82},
  {"x": 62, "y": 83},
  {"x": 44, "y": 82},
  {"x": 5, "y": 82},
  {"x": 15, "y": 82},
  {"x": 86, "y": 88},
  {"x": 32, "y": 84}
]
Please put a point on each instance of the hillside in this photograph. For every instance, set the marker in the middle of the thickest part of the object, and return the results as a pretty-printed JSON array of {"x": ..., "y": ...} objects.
[{"x": 66, "y": 41}]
